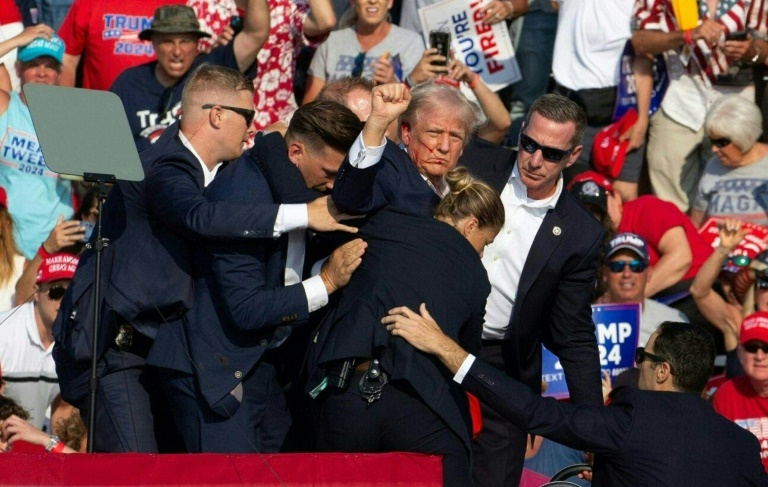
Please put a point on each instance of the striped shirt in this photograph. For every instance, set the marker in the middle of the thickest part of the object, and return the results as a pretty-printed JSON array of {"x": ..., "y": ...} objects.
[
  {"x": 731, "y": 14},
  {"x": 28, "y": 369}
]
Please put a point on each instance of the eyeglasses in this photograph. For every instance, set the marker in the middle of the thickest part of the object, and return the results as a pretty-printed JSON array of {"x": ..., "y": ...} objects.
[
  {"x": 635, "y": 265},
  {"x": 761, "y": 283},
  {"x": 248, "y": 115},
  {"x": 721, "y": 142},
  {"x": 357, "y": 69},
  {"x": 753, "y": 347},
  {"x": 641, "y": 355},
  {"x": 56, "y": 293},
  {"x": 550, "y": 154}
]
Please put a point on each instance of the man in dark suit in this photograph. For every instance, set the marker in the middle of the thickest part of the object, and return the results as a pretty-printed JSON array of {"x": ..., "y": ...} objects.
[
  {"x": 219, "y": 363},
  {"x": 147, "y": 266},
  {"x": 541, "y": 265},
  {"x": 662, "y": 434}
]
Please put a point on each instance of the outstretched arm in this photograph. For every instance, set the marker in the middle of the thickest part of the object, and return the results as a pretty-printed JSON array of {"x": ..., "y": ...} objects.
[{"x": 254, "y": 34}]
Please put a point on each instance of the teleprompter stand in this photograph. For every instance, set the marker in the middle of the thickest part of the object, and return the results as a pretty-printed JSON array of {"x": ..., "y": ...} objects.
[{"x": 86, "y": 133}]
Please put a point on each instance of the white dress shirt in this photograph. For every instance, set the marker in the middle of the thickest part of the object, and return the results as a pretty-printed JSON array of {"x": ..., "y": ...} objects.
[{"x": 505, "y": 258}]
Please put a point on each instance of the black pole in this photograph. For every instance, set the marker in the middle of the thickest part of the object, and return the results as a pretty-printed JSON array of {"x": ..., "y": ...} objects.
[{"x": 98, "y": 246}]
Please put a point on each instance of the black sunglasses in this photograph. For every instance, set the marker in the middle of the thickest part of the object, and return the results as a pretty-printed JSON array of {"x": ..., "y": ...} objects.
[
  {"x": 641, "y": 355},
  {"x": 550, "y": 154},
  {"x": 248, "y": 115},
  {"x": 635, "y": 265},
  {"x": 753, "y": 347},
  {"x": 357, "y": 69},
  {"x": 761, "y": 283},
  {"x": 56, "y": 293},
  {"x": 721, "y": 142}
]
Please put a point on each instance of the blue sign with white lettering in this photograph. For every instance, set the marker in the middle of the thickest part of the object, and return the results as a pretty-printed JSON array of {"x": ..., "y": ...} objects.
[{"x": 617, "y": 329}]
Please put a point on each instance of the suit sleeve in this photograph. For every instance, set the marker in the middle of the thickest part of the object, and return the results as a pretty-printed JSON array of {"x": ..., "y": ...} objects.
[
  {"x": 601, "y": 429},
  {"x": 571, "y": 334},
  {"x": 244, "y": 291},
  {"x": 363, "y": 191},
  {"x": 174, "y": 197}
]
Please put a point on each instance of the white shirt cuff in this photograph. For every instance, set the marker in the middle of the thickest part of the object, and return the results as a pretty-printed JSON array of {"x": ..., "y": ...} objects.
[
  {"x": 317, "y": 296},
  {"x": 363, "y": 157},
  {"x": 465, "y": 366},
  {"x": 290, "y": 217}
]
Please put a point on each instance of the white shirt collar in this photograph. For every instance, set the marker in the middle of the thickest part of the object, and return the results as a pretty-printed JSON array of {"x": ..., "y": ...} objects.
[
  {"x": 521, "y": 192},
  {"x": 207, "y": 175}
]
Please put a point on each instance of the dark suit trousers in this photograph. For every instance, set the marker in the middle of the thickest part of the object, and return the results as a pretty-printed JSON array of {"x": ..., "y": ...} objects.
[
  {"x": 398, "y": 421},
  {"x": 498, "y": 452},
  {"x": 131, "y": 412},
  {"x": 258, "y": 424}
]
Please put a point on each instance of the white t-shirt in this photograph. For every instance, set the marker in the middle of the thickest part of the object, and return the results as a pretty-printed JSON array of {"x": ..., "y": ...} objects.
[
  {"x": 591, "y": 35},
  {"x": 28, "y": 369}
]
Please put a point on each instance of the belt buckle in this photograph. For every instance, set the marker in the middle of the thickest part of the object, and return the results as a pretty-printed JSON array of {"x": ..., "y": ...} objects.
[
  {"x": 124, "y": 338},
  {"x": 372, "y": 382}
]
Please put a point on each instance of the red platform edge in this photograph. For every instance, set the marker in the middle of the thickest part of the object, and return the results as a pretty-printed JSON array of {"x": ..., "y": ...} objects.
[{"x": 287, "y": 469}]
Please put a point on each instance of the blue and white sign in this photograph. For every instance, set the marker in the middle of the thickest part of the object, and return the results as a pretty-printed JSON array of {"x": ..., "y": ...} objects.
[{"x": 617, "y": 329}]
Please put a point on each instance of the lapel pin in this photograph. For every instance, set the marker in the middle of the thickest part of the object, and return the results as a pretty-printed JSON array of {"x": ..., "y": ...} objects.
[{"x": 556, "y": 231}]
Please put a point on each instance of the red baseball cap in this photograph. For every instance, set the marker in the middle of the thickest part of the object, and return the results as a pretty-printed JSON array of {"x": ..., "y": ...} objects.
[
  {"x": 57, "y": 266},
  {"x": 3, "y": 198},
  {"x": 754, "y": 327},
  {"x": 596, "y": 177},
  {"x": 607, "y": 151}
]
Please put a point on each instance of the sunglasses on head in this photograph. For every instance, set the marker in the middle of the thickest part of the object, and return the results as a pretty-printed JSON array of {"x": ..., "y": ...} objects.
[
  {"x": 357, "y": 68},
  {"x": 753, "y": 347},
  {"x": 641, "y": 355},
  {"x": 721, "y": 142},
  {"x": 247, "y": 114},
  {"x": 56, "y": 293},
  {"x": 635, "y": 265},
  {"x": 550, "y": 154},
  {"x": 738, "y": 260}
]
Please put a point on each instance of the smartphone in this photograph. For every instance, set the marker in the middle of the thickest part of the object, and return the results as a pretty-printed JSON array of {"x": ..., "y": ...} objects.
[
  {"x": 736, "y": 36},
  {"x": 440, "y": 40},
  {"x": 88, "y": 227},
  {"x": 236, "y": 22}
]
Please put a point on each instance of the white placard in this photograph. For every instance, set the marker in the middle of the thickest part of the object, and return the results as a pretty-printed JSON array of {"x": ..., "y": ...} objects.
[{"x": 486, "y": 50}]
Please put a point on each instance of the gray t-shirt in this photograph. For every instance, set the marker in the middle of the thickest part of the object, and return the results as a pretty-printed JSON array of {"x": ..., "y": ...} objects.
[
  {"x": 740, "y": 192},
  {"x": 335, "y": 58}
]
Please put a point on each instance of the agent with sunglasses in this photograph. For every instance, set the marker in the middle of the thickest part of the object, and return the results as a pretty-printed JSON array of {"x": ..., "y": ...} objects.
[
  {"x": 734, "y": 183},
  {"x": 744, "y": 399},
  {"x": 26, "y": 340},
  {"x": 627, "y": 270},
  {"x": 662, "y": 433}
]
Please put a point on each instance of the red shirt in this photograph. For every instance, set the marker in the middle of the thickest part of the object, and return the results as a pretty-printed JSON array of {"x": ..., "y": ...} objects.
[
  {"x": 9, "y": 12},
  {"x": 106, "y": 34},
  {"x": 738, "y": 401},
  {"x": 651, "y": 217}
]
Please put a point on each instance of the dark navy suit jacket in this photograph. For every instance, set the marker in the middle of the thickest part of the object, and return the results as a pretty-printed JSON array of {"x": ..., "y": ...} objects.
[
  {"x": 409, "y": 260},
  {"x": 240, "y": 302},
  {"x": 393, "y": 181},
  {"x": 146, "y": 270},
  {"x": 642, "y": 439}
]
